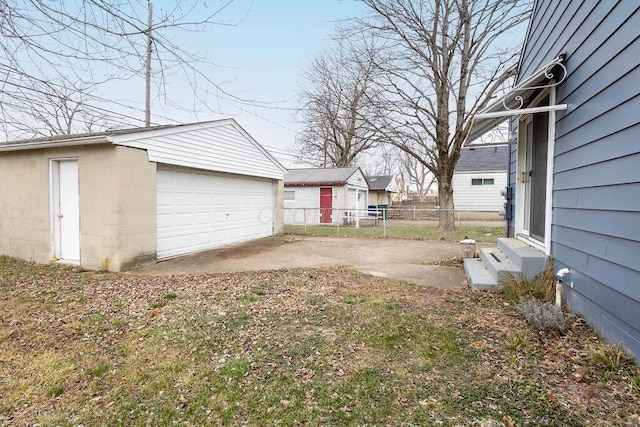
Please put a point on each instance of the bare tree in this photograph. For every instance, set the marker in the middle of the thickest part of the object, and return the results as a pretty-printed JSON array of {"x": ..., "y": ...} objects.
[
  {"x": 445, "y": 60},
  {"x": 59, "y": 108},
  {"x": 94, "y": 42},
  {"x": 384, "y": 159},
  {"x": 418, "y": 174},
  {"x": 338, "y": 94}
]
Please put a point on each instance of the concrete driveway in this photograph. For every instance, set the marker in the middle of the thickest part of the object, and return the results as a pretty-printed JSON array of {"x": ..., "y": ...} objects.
[{"x": 408, "y": 260}]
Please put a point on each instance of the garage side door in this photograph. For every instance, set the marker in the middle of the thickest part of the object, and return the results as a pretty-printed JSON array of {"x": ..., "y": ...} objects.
[{"x": 199, "y": 210}]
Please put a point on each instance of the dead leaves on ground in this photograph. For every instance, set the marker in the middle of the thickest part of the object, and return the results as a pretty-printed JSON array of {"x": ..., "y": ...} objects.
[{"x": 271, "y": 321}]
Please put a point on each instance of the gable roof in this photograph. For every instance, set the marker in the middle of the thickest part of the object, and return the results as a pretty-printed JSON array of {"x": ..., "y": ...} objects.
[
  {"x": 217, "y": 145},
  {"x": 382, "y": 183},
  {"x": 313, "y": 177},
  {"x": 483, "y": 159}
]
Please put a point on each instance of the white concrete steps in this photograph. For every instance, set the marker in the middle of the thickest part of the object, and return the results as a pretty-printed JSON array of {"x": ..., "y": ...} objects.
[
  {"x": 529, "y": 260},
  {"x": 510, "y": 257},
  {"x": 478, "y": 276},
  {"x": 497, "y": 263}
]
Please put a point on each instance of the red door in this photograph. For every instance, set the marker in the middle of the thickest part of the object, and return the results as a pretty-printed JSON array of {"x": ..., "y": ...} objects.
[{"x": 326, "y": 205}]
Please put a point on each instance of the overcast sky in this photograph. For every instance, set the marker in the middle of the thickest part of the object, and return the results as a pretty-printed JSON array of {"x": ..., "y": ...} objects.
[{"x": 262, "y": 58}]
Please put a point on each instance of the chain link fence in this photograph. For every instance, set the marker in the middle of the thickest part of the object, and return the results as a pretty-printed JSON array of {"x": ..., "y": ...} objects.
[{"x": 406, "y": 222}]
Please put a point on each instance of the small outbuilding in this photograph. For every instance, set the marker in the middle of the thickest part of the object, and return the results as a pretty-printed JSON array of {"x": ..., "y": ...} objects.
[
  {"x": 325, "y": 196},
  {"x": 119, "y": 199},
  {"x": 382, "y": 188}
]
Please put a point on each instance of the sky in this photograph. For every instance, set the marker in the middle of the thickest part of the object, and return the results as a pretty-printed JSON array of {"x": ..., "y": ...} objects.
[
  {"x": 258, "y": 52},
  {"x": 262, "y": 58}
]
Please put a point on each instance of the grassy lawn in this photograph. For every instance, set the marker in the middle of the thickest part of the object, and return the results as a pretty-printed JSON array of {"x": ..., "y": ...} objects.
[
  {"x": 418, "y": 232},
  {"x": 290, "y": 347}
]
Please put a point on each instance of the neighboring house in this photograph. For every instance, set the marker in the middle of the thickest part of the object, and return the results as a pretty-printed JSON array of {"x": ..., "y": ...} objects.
[
  {"x": 325, "y": 196},
  {"x": 575, "y": 159},
  {"x": 382, "y": 189},
  {"x": 116, "y": 200},
  {"x": 479, "y": 178}
]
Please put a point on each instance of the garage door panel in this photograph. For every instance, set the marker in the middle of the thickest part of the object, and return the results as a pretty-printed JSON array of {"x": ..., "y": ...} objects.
[
  {"x": 203, "y": 238},
  {"x": 184, "y": 219},
  {"x": 184, "y": 243},
  {"x": 199, "y": 210},
  {"x": 204, "y": 218}
]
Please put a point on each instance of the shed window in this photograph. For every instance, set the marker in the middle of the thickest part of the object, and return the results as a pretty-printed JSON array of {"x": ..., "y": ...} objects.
[
  {"x": 289, "y": 195},
  {"x": 476, "y": 181},
  {"x": 487, "y": 181}
]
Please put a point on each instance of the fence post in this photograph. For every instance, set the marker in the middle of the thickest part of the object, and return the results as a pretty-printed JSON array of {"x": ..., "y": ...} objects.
[
  {"x": 304, "y": 214},
  {"x": 384, "y": 224},
  {"x": 414, "y": 212}
]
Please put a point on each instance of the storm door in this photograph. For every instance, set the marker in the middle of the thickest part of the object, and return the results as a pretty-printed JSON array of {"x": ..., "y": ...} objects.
[{"x": 533, "y": 174}]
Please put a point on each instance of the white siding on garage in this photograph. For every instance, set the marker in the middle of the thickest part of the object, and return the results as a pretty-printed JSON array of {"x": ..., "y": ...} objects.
[
  {"x": 486, "y": 198},
  {"x": 200, "y": 210},
  {"x": 221, "y": 146}
]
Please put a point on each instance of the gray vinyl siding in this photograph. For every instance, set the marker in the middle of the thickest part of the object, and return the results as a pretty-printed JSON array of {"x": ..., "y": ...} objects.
[{"x": 596, "y": 180}]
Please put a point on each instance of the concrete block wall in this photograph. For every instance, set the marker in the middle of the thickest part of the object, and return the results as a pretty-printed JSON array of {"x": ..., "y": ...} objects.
[
  {"x": 117, "y": 209},
  {"x": 117, "y": 187},
  {"x": 24, "y": 206}
]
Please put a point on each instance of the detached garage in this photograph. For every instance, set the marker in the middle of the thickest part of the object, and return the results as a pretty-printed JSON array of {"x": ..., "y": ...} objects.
[{"x": 120, "y": 199}]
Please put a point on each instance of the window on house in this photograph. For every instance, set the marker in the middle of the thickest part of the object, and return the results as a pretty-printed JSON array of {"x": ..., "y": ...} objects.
[
  {"x": 481, "y": 181},
  {"x": 289, "y": 195}
]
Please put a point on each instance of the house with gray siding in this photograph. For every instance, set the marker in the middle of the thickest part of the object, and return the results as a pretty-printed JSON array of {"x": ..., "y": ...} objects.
[{"x": 574, "y": 163}]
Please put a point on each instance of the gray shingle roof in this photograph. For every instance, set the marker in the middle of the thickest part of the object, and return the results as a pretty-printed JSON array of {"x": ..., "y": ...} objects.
[
  {"x": 113, "y": 132},
  {"x": 379, "y": 182},
  {"x": 483, "y": 159},
  {"x": 318, "y": 176}
]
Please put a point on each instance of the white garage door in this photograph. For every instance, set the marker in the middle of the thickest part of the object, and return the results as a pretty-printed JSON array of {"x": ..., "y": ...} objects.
[{"x": 200, "y": 210}]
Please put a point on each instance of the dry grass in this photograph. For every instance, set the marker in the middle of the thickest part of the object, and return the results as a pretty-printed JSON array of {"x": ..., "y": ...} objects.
[
  {"x": 411, "y": 232},
  {"x": 542, "y": 287},
  {"x": 290, "y": 347}
]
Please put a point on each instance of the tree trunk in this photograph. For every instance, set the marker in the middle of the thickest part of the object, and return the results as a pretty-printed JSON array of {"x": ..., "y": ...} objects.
[{"x": 445, "y": 195}]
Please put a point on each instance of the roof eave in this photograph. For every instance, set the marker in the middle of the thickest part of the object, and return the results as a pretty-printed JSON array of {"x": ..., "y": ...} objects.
[
  {"x": 315, "y": 184},
  {"x": 102, "y": 139}
]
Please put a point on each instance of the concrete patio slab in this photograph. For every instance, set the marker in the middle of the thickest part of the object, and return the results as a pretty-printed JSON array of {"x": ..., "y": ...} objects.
[{"x": 408, "y": 260}]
